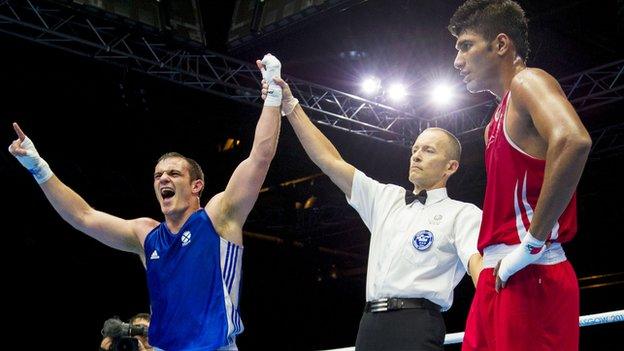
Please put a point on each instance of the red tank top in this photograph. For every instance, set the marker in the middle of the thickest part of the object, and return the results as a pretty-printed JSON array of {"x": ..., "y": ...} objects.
[{"x": 514, "y": 182}]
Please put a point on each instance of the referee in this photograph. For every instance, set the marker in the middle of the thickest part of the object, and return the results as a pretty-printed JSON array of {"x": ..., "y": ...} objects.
[{"x": 422, "y": 242}]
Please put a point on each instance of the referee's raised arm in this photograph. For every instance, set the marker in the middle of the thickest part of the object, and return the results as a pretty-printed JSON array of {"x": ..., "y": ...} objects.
[{"x": 320, "y": 150}]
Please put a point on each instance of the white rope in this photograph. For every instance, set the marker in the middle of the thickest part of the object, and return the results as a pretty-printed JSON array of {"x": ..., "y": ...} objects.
[
  {"x": 602, "y": 318},
  {"x": 584, "y": 321}
]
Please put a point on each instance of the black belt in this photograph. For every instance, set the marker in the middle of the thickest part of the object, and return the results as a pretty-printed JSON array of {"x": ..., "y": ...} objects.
[{"x": 395, "y": 303}]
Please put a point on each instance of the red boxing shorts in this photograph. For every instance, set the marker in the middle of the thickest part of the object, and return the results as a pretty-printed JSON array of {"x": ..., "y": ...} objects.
[{"x": 538, "y": 310}]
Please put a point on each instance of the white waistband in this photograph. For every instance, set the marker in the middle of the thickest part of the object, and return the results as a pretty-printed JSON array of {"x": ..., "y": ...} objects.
[{"x": 494, "y": 253}]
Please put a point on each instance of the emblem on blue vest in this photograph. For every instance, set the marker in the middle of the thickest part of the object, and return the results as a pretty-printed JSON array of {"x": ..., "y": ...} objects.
[
  {"x": 422, "y": 240},
  {"x": 186, "y": 238}
]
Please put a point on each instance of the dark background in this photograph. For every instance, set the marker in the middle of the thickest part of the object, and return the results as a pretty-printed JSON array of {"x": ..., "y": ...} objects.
[{"x": 102, "y": 128}]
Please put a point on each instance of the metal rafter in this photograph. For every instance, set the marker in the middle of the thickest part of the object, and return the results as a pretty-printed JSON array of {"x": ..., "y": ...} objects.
[
  {"x": 607, "y": 141},
  {"x": 586, "y": 90},
  {"x": 116, "y": 40}
]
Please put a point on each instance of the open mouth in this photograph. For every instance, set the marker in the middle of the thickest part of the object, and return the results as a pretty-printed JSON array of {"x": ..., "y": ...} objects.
[{"x": 166, "y": 193}]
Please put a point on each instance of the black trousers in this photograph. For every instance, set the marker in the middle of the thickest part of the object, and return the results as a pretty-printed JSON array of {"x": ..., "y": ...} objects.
[{"x": 413, "y": 329}]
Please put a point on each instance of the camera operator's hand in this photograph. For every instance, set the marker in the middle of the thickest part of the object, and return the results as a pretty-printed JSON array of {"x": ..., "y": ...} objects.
[
  {"x": 106, "y": 343},
  {"x": 142, "y": 347}
]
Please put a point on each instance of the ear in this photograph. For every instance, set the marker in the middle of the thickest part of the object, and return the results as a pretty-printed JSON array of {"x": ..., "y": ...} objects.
[
  {"x": 453, "y": 166},
  {"x": 197, "y": 186},
  {"x": 502, "y": 44}
]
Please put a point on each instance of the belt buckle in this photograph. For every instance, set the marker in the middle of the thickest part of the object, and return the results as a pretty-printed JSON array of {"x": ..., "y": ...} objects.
[{"x": 380, "y": 305}]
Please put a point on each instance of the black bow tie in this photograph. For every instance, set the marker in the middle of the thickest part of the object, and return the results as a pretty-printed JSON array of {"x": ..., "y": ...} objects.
[{"x": 411, "y": 197}]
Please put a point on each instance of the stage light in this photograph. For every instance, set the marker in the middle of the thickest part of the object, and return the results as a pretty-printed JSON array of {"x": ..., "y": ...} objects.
[
  {"x": 442, "y": 94},
  {"x": 397, "y": 92},
  {"x": 370, "y": 86}
]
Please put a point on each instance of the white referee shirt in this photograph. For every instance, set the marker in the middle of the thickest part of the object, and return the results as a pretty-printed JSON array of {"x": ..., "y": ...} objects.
[{"x": 415, "y": 250}]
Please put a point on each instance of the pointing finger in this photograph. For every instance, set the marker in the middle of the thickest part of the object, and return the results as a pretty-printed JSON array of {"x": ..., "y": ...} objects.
[{"x": 19, "y": 132}]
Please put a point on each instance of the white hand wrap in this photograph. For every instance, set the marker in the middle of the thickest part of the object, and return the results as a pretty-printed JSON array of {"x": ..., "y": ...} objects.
[
  {"x": 36, "y": 165},
  {"x": 272, "y": 68},
  {"x": 529, "y": 251}
]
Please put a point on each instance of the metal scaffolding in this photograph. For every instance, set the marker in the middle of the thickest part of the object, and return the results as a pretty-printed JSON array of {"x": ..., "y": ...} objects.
[
  {"x": 113, "y": 39},
  {"x": 119, "y": 41},
  {"x": 91, "y": 32},
  {"x": 586, "y": 90}
]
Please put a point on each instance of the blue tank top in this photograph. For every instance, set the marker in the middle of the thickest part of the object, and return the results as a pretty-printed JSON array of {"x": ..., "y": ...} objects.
[{"x": 193, "y": 279}]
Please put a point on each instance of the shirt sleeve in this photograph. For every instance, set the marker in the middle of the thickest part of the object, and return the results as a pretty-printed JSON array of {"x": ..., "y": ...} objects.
[
  {"x": 367, "y": 198},
  {"x": 467, "y": 225}
]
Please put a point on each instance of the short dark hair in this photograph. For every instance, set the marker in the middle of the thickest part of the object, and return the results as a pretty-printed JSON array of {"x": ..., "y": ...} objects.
[
  {"x": 491, "y": 17},
  {"x": 143, "y": 316},
  {"x": 195, "y": 170}
]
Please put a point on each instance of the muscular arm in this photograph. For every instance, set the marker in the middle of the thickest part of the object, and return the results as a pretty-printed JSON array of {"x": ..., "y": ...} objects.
[
  {"x": 121, "y": 234},
  {"x": 126, "y": 235},
  {"x": 230, "y": 208},
  {"x": 538, "y": 95},
  {"x": 321, "y": 151}
]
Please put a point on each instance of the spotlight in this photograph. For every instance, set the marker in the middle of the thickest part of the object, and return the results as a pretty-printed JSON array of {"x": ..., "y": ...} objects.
[
  {"x": 442, "y": 94},
  {"x": 370, "y": 86},
  {"x": 397, "y": 92}
]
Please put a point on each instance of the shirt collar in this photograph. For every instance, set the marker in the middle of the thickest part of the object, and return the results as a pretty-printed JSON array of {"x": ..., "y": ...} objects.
[{"x": 434, "y": 196}]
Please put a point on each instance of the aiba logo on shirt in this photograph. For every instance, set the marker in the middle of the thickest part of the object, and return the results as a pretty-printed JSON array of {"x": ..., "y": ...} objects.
[
  {"x": 422, "y": 240},
  {"x": 186, "y": 238}
]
